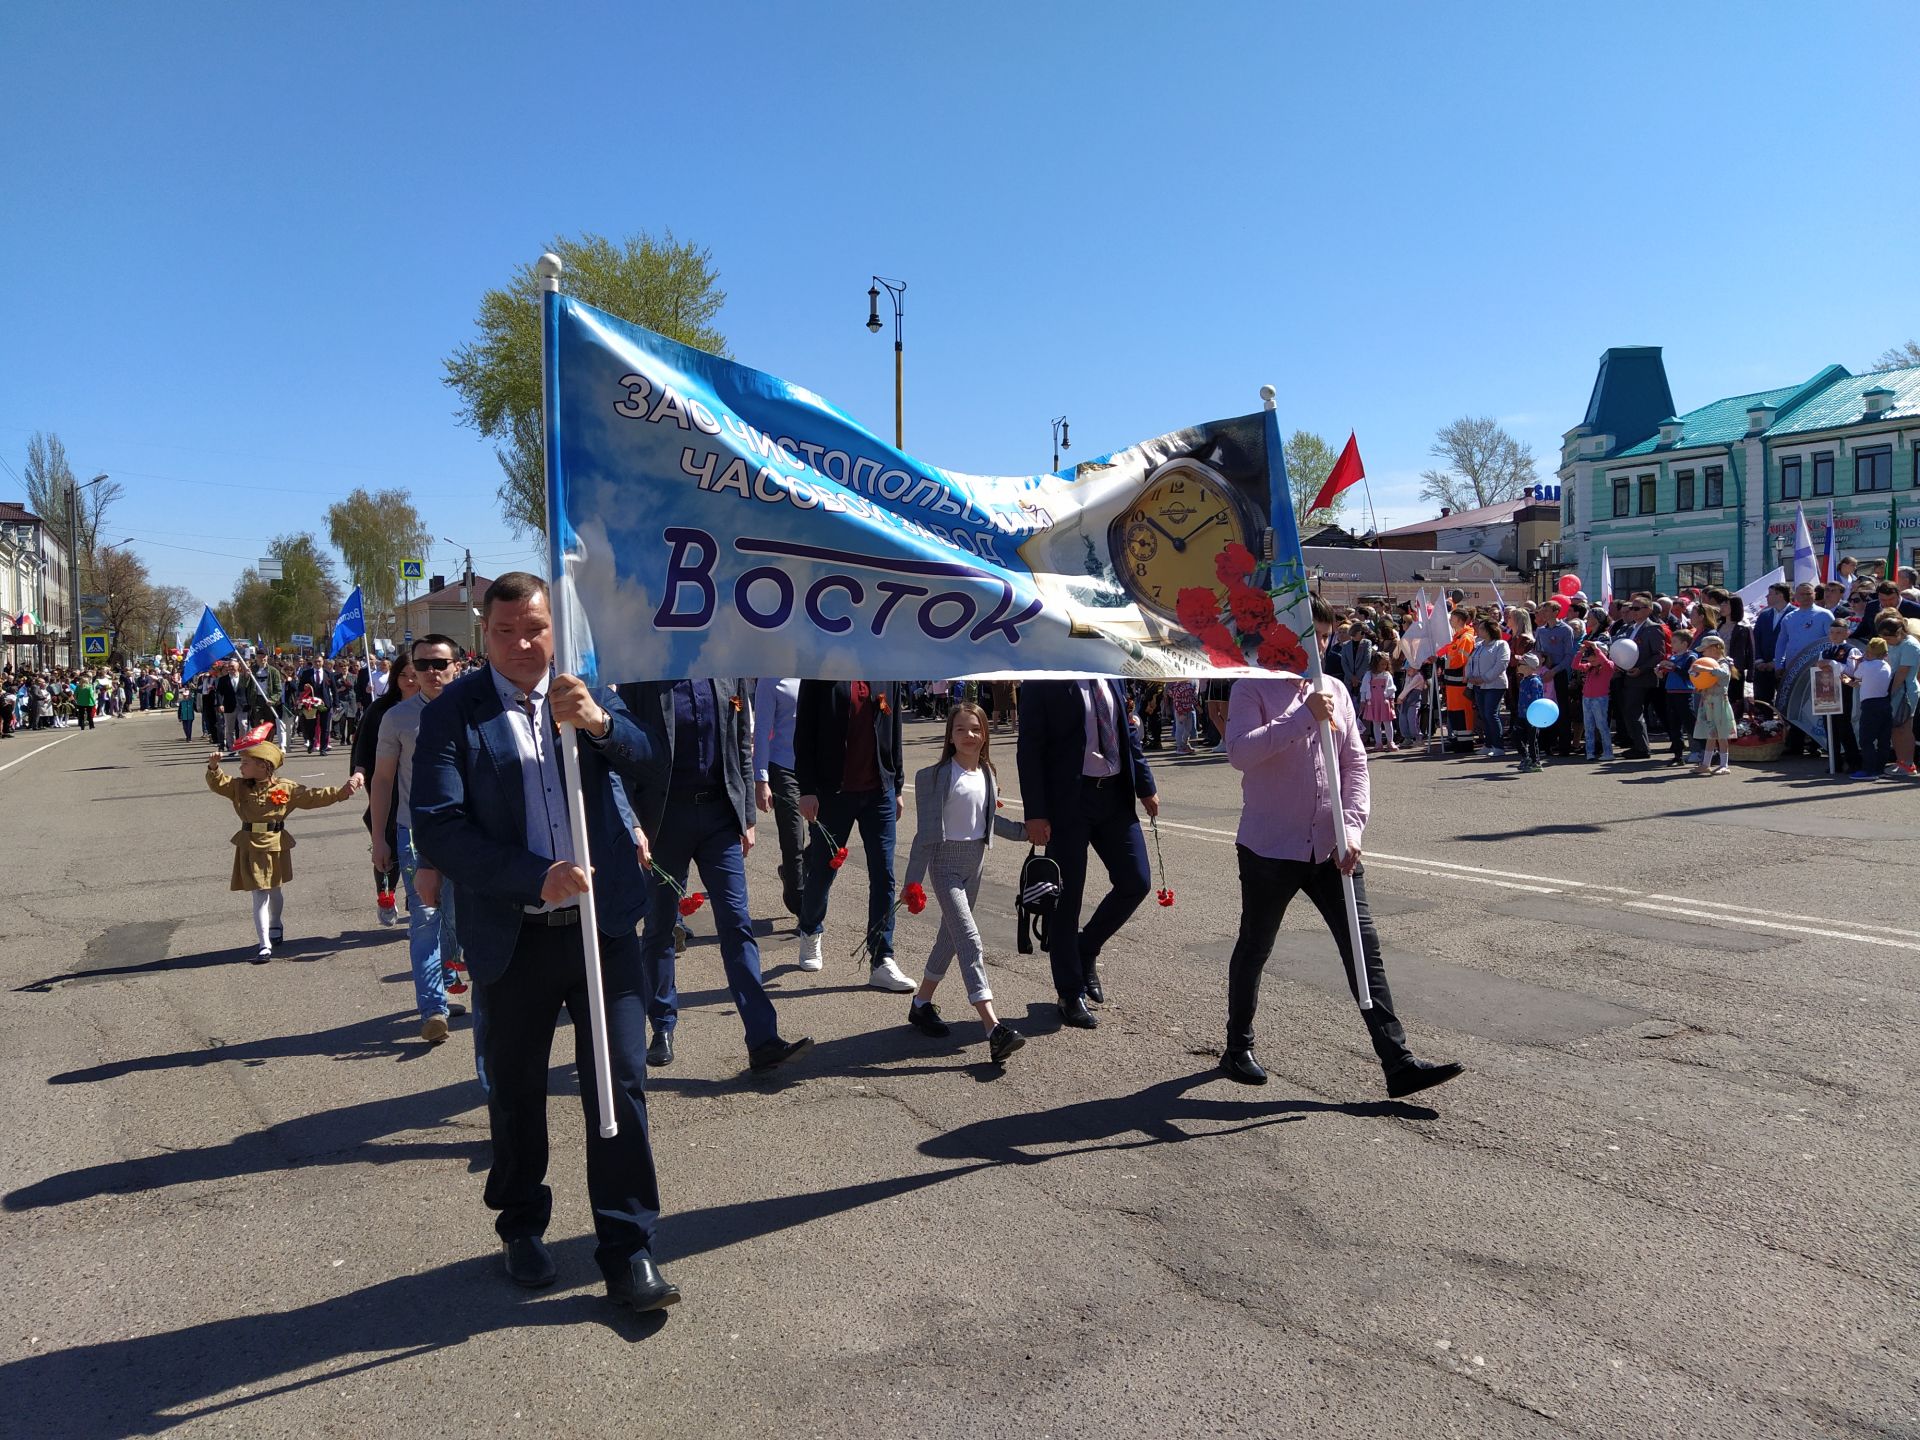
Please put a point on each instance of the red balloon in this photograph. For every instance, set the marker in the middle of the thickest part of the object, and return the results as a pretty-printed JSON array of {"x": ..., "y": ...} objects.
[
  {"x": 1569, "y": 584},
  {"x": 1562, "y": 604}
]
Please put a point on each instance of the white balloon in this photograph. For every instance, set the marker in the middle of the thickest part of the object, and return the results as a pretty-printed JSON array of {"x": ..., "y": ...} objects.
[{"x": 1624, "y": 654}]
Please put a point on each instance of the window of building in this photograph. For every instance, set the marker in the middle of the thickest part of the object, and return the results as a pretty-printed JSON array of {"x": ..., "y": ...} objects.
[
  {"x": 1873, "y": 469},
  {"x": 1790, "y": 479},
  {"x": 1629, "y": 578},
  {"x": 1647, "y": 493},
  {"x": 1683, "y": 489},
  {"x": 1714, "y": 483},
  {"x": 1700, "y": 574},
  {"x": 1622, "y": 498},
  {"x": 1823, "y": 473}
]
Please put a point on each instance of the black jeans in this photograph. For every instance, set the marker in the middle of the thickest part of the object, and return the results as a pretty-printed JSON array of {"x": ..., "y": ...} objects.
[
  {"x": 1679, "y": 712},
  {"x": 1266, "y": 888},
  {"x": 1633, "y": 719},
  {"x": 792, "y": 833},
  {"x": 548, "y": 970},
  {"x": 1105, "y": 825}
]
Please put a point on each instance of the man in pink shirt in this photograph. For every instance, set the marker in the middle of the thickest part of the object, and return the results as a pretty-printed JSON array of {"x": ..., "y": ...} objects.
[{"x": 1286, "y": 847}]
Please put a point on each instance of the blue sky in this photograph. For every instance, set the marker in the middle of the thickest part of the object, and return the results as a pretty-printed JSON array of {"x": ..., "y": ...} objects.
[{"x": 241, "y": 238}]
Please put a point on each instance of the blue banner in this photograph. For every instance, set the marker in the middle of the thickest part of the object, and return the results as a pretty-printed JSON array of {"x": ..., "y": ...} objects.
[
  {"x": 209, "y": 643},
  {"x": 708, "y": 519},
  {"x": 351, "y": 626}
]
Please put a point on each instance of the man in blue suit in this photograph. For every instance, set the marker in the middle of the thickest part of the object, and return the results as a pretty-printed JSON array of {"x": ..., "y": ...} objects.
[
  {"x": 489, "y": 807},
  {"x": 1081, "y": 770}
]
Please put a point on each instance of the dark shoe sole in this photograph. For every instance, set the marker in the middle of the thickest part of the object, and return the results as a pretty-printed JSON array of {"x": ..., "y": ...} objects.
[
  {"x": 642, "y": 1305},
  {"x": 1400, "y": 1087}
]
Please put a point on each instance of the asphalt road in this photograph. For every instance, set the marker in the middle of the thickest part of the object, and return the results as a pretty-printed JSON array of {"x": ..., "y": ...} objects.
[{"x": 1674, "y": 1195}]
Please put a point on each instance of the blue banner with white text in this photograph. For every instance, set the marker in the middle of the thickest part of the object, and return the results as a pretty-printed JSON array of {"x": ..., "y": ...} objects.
[
  {"x": 717, "y": 520},
  {"x": 351, "y": 626},
  {"x": 209, "y": 643}
]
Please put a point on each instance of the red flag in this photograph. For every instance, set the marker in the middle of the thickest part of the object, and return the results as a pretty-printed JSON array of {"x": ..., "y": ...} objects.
[{"x": 1346, "y": 470}]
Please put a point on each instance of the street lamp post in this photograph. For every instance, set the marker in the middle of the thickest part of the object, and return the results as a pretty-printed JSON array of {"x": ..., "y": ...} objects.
[
  {"x": 73, "y": 566},
  {"x": 1060, "y": 440},
  {"x": 896, "y": 289}
]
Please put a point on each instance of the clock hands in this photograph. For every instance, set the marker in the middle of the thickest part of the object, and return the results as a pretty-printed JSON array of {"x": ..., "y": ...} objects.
[
  {"x": 1178, "y": 543},
  {"x": 1219, "y": 517}
]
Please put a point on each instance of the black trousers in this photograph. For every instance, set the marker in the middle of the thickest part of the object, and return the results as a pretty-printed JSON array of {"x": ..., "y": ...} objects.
[
  {"x": 1679, "y": 712},
  {"x": 1104, "y": 825},
  {"x": 1633, "y": 719},
  {"x": 548, "y": 971},
  {"x": 1266, "y": 888},
  {"x": 792, "y": 832}
]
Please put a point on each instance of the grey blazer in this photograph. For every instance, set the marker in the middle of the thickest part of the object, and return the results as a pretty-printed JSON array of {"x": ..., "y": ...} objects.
[{"x": 930, "y": 816}]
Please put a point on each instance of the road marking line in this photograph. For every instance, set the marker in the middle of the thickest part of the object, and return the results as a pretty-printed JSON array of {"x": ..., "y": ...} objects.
[
  {"x": 1740, "y": 910},
  {"x": 1693, "y": 914},
  {"x": 1552, "y": 880},
  {"x": 31, "y": 753},
  {"x": 1374, "y": 862}
]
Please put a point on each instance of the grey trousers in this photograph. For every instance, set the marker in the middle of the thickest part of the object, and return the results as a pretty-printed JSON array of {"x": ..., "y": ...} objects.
[{"x": 953, "y": 878}]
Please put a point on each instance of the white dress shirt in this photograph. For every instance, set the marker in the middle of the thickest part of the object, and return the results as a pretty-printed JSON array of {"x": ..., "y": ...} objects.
[{"x": 548, "y": 832}]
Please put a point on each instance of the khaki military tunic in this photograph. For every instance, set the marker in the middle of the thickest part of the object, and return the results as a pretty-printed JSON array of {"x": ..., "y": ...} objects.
[{"x": 262, "y": 857}]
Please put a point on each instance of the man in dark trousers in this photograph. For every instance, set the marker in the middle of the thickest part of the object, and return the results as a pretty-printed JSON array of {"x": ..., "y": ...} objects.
[
  {"x": 490, "y": 810},
  {"x": 847, "y": 757},
  {"x": 702, "y": 814},
  {"x": 1081, "y": 770},
  {"x": 1641, "y": 683},
  {"x": 226, "y": 694}
]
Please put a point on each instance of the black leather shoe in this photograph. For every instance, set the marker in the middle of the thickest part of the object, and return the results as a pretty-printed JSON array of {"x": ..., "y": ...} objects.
[
  {"x": 642, "y": 1286},
  {"x": 528, "y": 1262},
  {"x": 660, "y": 1052},
  {"x": 1240, "y": 1065},
  {"x": 1417, "y": 1075},
  {"x": 1094, "y": 990},
  {"x": 775, "y": 1052},
  {"x": 1074, "y": 1012},
  {"x": 926, "y": 1019},
  {"x": 1003, "y": 1042}
]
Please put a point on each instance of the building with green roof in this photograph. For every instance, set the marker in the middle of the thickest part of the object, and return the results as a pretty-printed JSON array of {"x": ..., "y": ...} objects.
[{"x": 1707, "y": 497}]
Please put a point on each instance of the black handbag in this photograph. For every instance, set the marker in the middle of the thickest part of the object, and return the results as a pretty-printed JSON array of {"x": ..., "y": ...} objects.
[{"x": 1039, "y": 894}]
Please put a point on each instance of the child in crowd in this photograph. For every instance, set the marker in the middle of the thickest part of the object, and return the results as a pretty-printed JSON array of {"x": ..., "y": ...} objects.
[
  {"x": 186, "y": 707},
  {"x": 1526, "y": 734},
  {"x": 262, "y": 850},
  {"x": 1839, "y": 649},
  {"x": 1378, "y": 694},
  {"x": 1185, "y": 702},
  {"x": 1595, "y": 669},
  {"x": 1874, "y": 706},
  {"x": 1712, "y": 676},
  {"x": 957, "y": 798},
  {"x": 1413, "y": 703}
]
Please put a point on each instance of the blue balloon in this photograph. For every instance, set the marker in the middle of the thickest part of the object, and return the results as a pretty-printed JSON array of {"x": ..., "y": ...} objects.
[{"x": 1542, "y": 713}]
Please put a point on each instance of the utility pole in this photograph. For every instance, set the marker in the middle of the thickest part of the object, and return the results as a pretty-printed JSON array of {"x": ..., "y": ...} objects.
[{"x": 466, "y": 595}]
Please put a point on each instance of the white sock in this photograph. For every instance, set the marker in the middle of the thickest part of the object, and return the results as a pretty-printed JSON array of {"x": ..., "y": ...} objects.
[
  {"x": 262, "y": 906},
  {"x": 278, "y": 907}
]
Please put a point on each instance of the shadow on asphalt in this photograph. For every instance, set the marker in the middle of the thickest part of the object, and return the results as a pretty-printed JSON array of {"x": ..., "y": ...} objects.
[
  {"x": 304, "y": 948},
  {"x": 155, "y": 1382},
  {"x": 1824, "y": 787},
  {"x": 388, "y": 1036}
]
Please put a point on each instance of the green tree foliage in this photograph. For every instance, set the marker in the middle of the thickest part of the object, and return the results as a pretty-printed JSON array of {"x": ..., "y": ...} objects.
[
  {"x": 303, "y": 601},
  {"x": 1484, "y": 465},
  {"x": 375, "y": 532},
  {"x": 1309, "y": 461},
  {"x": 665, "y": 284}
]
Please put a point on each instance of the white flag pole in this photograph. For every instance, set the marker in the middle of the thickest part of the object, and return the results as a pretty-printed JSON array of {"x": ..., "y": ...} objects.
[
  {"x": 1330, "y": 762},
  {"x": 561, "y": 585}
]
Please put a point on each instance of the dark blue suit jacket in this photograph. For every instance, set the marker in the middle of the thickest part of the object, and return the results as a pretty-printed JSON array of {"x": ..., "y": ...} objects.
[
  {"x": 470, "y": 818},
  {"x": 1053, "y": 747}
]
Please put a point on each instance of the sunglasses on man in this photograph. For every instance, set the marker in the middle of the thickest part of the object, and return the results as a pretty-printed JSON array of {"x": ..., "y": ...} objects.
[{"x": 429, "y": 663}]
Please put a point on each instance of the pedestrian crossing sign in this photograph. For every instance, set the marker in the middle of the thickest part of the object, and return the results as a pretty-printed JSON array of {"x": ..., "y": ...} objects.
[
  {"x": 412, "y": 569},
  {"x": 93, "y": 645}
]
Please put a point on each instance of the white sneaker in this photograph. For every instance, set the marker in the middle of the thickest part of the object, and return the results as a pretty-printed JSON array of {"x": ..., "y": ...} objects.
[
  {"x": 886, "y": 976},
  {"x": 810, "y": 958}
]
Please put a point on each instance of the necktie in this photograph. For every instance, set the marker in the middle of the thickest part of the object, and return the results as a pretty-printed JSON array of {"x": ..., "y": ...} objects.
[{"x": 1103, "y": 721}]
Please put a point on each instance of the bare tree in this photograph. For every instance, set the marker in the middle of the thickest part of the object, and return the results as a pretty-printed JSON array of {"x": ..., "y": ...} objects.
[
  {"x": 171, "y": 606},
  {"x": 49, "y": 478},
  {"x": 1899, "y": 356},
  {"x": 1484, "y": 465}
]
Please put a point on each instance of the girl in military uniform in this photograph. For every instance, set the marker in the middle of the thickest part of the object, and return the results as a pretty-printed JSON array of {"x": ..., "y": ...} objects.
[{"x": 262, "y": 850}]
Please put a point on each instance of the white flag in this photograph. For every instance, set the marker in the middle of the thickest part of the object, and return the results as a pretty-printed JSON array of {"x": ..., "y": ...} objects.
[{"x": 1606, "y": 580}]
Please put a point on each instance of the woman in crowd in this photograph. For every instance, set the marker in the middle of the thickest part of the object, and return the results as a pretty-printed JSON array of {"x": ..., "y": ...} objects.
[{"x": 1486, "y": 672}]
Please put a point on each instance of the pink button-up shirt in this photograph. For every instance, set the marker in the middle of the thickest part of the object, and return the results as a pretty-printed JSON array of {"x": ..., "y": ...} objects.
[{"x": 1286, "y": 806}]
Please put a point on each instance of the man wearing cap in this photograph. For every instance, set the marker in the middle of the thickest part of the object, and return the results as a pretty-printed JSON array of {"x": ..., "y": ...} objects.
[{"x": 491, "y": 813}]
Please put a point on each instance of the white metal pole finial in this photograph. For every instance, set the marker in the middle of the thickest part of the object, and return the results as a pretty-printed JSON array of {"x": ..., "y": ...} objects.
[
  {"x": 1269, "y": 397},
  {"x": 548, "y": 268}
]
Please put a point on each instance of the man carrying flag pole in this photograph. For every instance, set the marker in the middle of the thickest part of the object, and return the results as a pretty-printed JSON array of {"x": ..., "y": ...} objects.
[
  {"x": 516, "y": 802},
  {"x": 1281, "y": 736}
]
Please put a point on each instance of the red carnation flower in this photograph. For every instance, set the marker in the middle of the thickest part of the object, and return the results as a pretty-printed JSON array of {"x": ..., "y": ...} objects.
[
  {"x": 1221, "y": 647},
  {"x": 914, "y": 897},
  {"x": 1164, "y": 896},
  {"x": 838, "y": 859},
  {"x": 1196, "y": 607},
  {"x": 1235, "y": 562},
  {"x": 691, "y": 903},
  {"x": 1252, "y": 609}
]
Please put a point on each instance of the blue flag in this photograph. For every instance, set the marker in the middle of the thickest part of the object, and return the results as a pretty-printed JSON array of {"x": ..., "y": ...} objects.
[
  {"x": 351, "y": 626},
  {"x": 209, "y": 643},
  {"x": 708, "y": 519}
]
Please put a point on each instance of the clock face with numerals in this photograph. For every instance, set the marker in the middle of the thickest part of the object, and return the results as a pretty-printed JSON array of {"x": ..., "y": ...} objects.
[{"x": 1168, "y": 539}]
